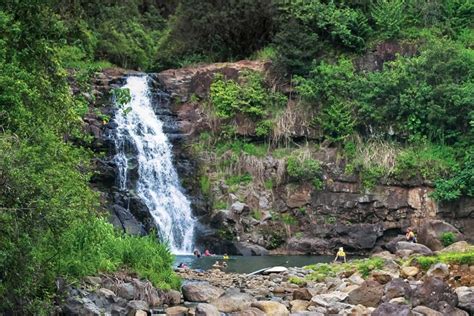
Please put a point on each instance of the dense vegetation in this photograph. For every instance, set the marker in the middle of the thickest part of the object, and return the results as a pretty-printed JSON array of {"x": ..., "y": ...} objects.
[{"x": 418, "y": 105}]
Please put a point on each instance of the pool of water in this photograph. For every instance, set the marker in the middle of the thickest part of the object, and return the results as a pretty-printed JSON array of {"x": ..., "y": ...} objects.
[{"x": 241, "y": 264}]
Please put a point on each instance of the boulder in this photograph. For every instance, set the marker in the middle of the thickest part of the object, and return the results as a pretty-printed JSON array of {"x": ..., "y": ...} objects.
[
  {"x": 392, "y": 244},
  {"x": 396, "y": 288},
  {"x": 433, "y": 291},
  {"x": 328, "y": 299},
  {"x": 430, "y": 233},
  {"x": 466, "y": 298},
  {"x": 382, "y": 277},
  {"x": 172, "y": 297},
  {"x": 409, "y": 271},
  {"x": 233, "y": 302},
  {"x": 299, "y": 305},
  {"x": 368, "y": 294},
  {"x": 271, "y": 308},
  {"x": 239, "y": 208},
  {"x": 426, "y": 311},
  {"x": 177, "y": 311},
  {"x": 201, "y": 292},
  {"x": 122, "y": 219},
  {"x": 459, "y": 246},
  {"x": 127, "y": 291},
  {"x": 136, "y": 305},
  {"x": 203, "y": 309},
  {"x": 302, "y": 294},
  {"x": 249, "y": 249},
  {"x": 439, "y": 270},
  {"x": 386, "y": 255},
  {"x": 252, "y": 311},
  {"x": 389, "y": 309},
  {"x": 416, "y": 248},
  {"x": 356, "y": 279}
]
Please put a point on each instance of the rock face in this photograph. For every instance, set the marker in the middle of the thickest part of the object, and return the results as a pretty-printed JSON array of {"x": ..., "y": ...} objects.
[
  {"x": 201, "y": 292},
  {"x": 431, "y": 231}
]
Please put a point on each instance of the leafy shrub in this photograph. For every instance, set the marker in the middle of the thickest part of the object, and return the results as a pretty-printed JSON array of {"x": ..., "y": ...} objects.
[
  {"x": 239, "y": 179},
  {"x": 461, "y": 183},
  {"x": 450, "y": 258},
  {"x": 303, "y": 169},
  {"x": 249, "y": 96},
  {"x": 264, "y": 128},
  {"x": 447, "y": 238},
  {"x": 389, "y": 16},
  {"x": 296, "y": 280}
]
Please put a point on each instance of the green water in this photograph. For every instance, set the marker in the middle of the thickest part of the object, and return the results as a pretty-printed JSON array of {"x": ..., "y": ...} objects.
[{"x": 242, "y": 264}]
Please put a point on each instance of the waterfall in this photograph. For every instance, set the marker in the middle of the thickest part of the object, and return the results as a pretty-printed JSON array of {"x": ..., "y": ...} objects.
[{"x": 157, "y": 182}]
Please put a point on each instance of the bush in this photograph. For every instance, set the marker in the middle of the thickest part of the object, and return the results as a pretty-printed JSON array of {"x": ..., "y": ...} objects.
[
  {"x": 303, "y": 169},
  {"x": 447, "y": 238},
  {"x": 249, "y": 96},
  {"x": 449, "y": 258}
]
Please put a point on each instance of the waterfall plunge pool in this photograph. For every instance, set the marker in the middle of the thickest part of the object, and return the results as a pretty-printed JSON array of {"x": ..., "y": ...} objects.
[{"x": 248, "y": 264}]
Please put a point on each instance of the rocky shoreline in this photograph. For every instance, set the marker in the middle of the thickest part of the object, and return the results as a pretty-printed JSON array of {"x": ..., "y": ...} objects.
[{"x": 385, "y": 284}]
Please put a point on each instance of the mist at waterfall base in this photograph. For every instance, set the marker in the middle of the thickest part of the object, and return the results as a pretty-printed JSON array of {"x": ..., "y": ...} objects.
[{"x": 140, "y": 140}]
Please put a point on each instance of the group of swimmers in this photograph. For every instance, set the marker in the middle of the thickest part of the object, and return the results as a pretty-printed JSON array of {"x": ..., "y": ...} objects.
[{"x": 207, "y": 253}]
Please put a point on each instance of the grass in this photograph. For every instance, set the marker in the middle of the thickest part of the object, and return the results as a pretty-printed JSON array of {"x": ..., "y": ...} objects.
[
  {"x": 297, "y": 280},
  {"x": 239, "y": 179},
  {"x": 363, "y": 266},
  {"x": 449, "y": 258}
]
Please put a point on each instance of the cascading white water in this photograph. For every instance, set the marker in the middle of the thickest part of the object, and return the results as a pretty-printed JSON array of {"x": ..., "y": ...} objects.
[{"x": 157, "y": 184}]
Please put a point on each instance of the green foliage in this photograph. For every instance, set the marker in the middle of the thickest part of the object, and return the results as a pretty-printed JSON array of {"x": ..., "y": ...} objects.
[
  {"x": 217, "y": 30},
  {"x": 205, "y": 184},
  {"x": 257, "y": 214},
  {"x": 363, "y": 266},
  {"x": 264, "y": 128},
  {"x": 461, "y": 183},
  {"x": 268, "y": 184},
  {"x": 308, "y": 27},
  {"x": 450, "y": 258},
  {"x": 239, "y": 179},
  {"x": 447, "y": 238},
  {"x": 238, "y": 147},
  {"x": 337, "y": 121},
  {"x": 249, "y": 97},
  {"x": 389, "y": 16},
  {"x": 303, "y": 169},
  {"x": 429, "y": 162},
  {"x": 296, "y": 280},
  {"x": 219, "y": 205}
]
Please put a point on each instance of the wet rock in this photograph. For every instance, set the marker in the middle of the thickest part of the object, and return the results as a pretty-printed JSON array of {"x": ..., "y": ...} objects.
[
  {"x": 439, "y": 270},
  {"x": 80, "y": 306},
  {"x": 201, "y": 292},
  {"x": 396, "y": 288},
  {"x": 432, "y": 291},
  {"x": 466, "y": 298},
  {"x": 233, "y": 302},
  {"x": 409, "y": 271},
  {"x": 368, "y": 294},
  {"x": 122, "y": 219},
  {"x": 299, "y": 305},
  {"x": 177, "y": 311},
  {"x": 416, "y": 248},
  {"x": 430, "y": 233},
  {"x": 203, "y": 309},
  {"x": 389, "y": 309}
]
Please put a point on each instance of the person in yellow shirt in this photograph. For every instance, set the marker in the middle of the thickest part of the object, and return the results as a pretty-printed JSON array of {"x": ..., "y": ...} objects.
[{"x": 340, "y": 254}]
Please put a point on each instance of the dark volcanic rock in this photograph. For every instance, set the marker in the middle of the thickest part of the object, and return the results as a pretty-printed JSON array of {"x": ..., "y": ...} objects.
[
  {"x": 122, "y": 219},
  {"x": 432, "y": 292},
  {"x": 389, "y": 309}
]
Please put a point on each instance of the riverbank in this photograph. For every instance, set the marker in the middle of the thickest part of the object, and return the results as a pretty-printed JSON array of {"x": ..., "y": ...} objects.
[{"x": 405, "y": 283}]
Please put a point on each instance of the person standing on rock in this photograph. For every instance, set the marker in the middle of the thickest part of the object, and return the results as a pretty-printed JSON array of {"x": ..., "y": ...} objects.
[{"x": 340, "y": 254}]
